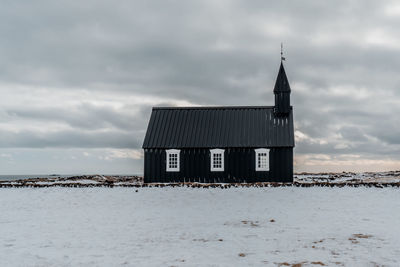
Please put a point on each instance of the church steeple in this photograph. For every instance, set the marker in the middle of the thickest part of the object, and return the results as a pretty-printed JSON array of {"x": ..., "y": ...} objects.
[{"x": 282, "y": 92}]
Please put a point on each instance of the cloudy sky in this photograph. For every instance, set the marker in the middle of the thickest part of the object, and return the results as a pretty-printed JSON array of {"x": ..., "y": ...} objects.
[{"x": 78, "y": 78}]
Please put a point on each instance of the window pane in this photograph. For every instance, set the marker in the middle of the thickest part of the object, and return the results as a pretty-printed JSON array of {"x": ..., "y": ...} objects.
[
  {"x": 262, "y": 161},
  {"x": 217, "y": 161},
  {"x": 173, "y": 161}
]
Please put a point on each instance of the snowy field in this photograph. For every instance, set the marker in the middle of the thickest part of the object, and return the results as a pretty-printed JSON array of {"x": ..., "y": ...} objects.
[{"x": 200, "y": 227}]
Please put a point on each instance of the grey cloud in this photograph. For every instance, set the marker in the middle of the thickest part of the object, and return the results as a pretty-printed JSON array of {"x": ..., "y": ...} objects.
[
  {"x": 69, "y": 139},
  {"x": 353, "y": 134},
  {"x": 84, "y": 116}
]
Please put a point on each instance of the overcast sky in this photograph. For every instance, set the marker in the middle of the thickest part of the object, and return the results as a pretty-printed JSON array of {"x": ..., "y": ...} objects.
[{"x": 78, "y": 78}]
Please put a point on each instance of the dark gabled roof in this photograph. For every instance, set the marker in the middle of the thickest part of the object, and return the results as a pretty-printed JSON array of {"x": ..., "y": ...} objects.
[
  {"x": 282, "y": 83},
  {"x": 218, "y": 127}
]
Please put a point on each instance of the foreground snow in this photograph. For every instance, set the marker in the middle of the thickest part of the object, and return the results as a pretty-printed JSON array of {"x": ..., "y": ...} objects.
[{"x": 207, "y": 227}]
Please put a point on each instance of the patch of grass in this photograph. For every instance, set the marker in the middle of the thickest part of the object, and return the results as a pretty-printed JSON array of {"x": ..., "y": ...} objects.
[
  {"x": 353, "y": 240},
  {"x": 318, "y": 263},
  {"x": 361, "y": 236},
  {"x": 201, "y": 240},
  {"x": 253, "y": 224},
  {"x": 290, "y": 264}
]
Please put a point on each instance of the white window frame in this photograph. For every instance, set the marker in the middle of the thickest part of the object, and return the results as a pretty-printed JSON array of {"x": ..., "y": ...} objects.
[
  {"x": 176, "y": 152},
  {"x": 258, "y": 152},
  {"x": 214, "y": 152}
]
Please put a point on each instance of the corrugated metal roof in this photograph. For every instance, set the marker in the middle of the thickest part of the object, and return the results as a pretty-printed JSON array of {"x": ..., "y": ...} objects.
[{"x": 218, "y": 127}]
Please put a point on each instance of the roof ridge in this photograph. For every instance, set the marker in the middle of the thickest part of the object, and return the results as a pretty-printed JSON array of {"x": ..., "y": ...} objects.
[{"x": 217, "y": 107}]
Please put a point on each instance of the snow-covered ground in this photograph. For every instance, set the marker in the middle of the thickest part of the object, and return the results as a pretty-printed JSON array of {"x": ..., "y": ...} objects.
[
  {"x": 389, "y": 177},
  {"x": 200, "y": 227}
]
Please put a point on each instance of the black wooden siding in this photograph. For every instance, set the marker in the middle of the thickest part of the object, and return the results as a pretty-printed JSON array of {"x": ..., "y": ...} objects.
[
  {"x": 282, "y": 101},
  {"x": 282, "y": 93},
  {"x": 218, "y": 127},
  {"x": 239, "y": 166}
]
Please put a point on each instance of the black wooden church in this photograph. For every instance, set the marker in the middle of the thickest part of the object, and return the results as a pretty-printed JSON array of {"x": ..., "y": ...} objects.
[{"x": 222, "y": 144}]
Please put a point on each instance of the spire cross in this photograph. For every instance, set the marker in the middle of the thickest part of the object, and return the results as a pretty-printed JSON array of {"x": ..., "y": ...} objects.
[{"x": 282, "y": 57}]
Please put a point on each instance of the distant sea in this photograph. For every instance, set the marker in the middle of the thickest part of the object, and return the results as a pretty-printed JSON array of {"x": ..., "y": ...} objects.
[{"x": 13, "y": 177}]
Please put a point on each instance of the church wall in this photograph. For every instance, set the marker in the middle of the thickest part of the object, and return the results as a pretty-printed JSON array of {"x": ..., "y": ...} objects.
[{"x": 239, "y": 166}]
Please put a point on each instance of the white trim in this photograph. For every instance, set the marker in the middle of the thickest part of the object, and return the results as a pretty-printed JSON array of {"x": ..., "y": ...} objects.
[
  {"x": 178, "y": 160},
  {"x": 213, "y": 152},
  {"x": 258, "y": 152}
]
